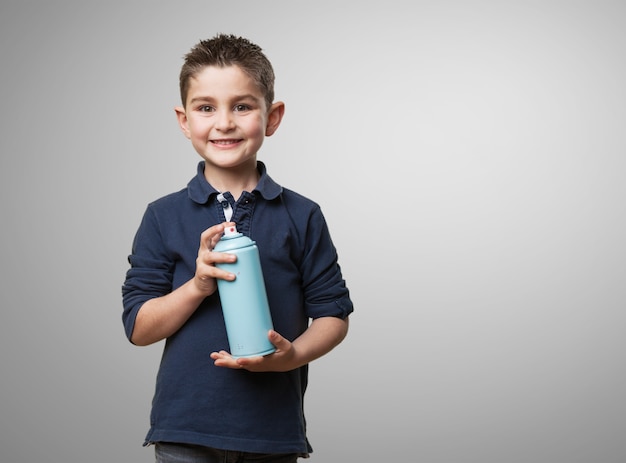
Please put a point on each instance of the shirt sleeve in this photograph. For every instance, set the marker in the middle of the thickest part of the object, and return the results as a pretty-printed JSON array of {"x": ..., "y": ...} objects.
[
  {"x": 325, "y": 291},
  {"x": 150, "y": 272}
]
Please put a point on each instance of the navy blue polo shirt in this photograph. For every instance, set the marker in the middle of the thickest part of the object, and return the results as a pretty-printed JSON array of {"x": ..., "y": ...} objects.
[{"x": 196, "y": 402}]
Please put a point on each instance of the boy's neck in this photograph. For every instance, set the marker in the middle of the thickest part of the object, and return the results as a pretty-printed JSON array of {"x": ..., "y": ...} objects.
[{"x": 235, "y": 181}]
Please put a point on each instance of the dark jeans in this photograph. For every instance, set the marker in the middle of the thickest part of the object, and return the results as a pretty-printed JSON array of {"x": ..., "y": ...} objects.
[{"x": 186, "y": 453}]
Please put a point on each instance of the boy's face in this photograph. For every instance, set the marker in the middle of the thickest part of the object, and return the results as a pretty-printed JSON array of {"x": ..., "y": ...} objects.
[{"x": 226, "y": 117}]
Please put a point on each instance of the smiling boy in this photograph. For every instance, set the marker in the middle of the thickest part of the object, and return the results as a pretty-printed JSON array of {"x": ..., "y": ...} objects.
[{"x": 209, "y": 406}]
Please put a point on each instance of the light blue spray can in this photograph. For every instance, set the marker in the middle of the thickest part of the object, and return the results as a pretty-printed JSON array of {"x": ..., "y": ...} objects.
[{"x": 244, "y": 300}]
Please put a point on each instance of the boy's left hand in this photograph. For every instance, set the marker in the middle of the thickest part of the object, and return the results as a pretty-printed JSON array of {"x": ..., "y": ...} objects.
[{"x": 281, "y": 360}]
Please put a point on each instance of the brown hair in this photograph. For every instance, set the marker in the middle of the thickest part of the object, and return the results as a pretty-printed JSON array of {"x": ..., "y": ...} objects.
[{"x": 228, "y": 50}]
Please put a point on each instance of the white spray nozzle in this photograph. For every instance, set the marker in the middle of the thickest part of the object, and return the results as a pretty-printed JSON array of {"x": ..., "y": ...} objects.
[{"x": 230, "y": 231}]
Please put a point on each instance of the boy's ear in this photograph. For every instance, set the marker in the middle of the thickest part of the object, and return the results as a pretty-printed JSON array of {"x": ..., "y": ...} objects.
[
  {"x": 274, "y": 116},
  {"x": 182, "y": 120}
]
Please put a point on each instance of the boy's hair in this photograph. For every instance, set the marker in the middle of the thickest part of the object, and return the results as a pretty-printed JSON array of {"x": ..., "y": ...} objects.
[{"x": 228, "y": 50}]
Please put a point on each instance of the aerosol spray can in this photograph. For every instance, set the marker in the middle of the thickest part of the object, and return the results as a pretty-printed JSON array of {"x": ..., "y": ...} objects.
[{"x": 244, "y": 300}]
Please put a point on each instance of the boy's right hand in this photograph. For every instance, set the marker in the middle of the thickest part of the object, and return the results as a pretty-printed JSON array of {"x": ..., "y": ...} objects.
[{"x": 206, "y": 272}]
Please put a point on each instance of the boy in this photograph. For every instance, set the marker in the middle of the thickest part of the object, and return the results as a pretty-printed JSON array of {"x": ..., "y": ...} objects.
[{"x": 209, "y": 406}]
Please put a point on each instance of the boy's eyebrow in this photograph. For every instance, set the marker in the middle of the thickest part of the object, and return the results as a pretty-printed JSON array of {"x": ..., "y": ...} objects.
[
  {"x": 247, "y": 96},
  {"x": 198, "y": 99}
]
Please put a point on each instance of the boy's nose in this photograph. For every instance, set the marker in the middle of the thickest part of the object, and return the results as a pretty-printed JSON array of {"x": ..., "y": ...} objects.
[{"x": 224, "y": 121}]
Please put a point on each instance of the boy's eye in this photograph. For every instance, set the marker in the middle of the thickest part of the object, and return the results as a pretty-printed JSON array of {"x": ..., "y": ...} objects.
[
  {"x": 241, "y": 107},
  {"x": 206, "y": 108}
]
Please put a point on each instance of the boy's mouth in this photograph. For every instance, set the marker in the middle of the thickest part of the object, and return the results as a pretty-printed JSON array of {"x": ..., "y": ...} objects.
[{"x": 226, "y": 142}]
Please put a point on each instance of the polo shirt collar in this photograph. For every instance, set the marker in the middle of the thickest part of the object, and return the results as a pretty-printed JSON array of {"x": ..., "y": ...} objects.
[{"x": 201, "y": 191}]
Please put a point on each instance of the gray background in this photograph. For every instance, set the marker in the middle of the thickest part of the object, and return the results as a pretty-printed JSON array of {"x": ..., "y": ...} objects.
[{"x": 469, "y": 157}]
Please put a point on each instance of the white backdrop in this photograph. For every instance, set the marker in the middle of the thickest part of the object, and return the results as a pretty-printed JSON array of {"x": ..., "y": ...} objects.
[{"x": 469, "y": 157}]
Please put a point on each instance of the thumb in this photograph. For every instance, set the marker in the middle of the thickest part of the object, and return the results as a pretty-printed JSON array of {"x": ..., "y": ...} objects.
[{"x": 276, "y": 339}]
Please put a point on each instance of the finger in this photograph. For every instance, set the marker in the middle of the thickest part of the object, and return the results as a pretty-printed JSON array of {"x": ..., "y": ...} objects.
[
  {"x": 206, "y": 266},
  {"x": 246, "y": 362},
  {"x": 209, "y": 239},
  {"x": 277, "y": 340},
  {"x": 224, "y": 359},
  {"x": 210, "y": 236},
  {"x": 209, "y": 257}
]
